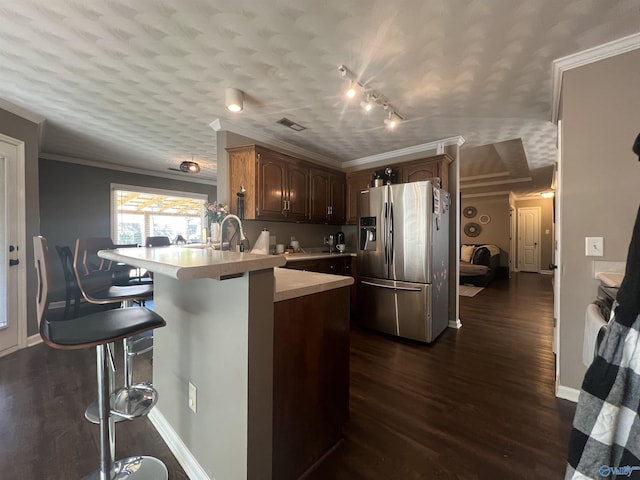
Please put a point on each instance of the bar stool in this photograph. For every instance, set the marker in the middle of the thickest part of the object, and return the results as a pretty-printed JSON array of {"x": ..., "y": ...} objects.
[
  {"x": 94, "y": 276},
  {"x": 100, "y": 330}
]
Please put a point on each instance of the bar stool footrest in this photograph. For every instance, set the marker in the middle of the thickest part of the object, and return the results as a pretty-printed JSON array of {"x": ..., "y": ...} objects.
[
  {"x": 135, "y": 468},
  {"x": 127, "y": 403}
]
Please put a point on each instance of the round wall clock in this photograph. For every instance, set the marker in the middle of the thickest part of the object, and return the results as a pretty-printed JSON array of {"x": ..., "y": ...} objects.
[
  {"x": 472, "y": 229},
  {"x": 469, "y": 212},
  {"x": 484, "y": 219}
]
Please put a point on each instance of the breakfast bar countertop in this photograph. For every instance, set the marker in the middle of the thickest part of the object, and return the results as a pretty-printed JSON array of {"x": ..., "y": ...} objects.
[{"x": 191, "y": 263}]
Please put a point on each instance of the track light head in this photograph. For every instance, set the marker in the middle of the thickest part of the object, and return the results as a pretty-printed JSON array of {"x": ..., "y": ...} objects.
[
  {"x": 352, "y": 91},
  {"x": 392, "y": 121},
  {"x": 367, "y": 105}
]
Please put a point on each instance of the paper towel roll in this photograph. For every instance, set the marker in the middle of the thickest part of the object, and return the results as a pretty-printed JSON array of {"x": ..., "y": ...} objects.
[{"x": 262, "y": 244}]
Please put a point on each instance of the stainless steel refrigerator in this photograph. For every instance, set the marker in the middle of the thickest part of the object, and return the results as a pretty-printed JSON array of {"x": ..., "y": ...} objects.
[{"x": 403, "y": 260}]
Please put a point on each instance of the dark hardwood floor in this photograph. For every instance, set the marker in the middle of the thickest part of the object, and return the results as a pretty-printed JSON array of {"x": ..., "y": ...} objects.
[{"x": 476, "y": 404}]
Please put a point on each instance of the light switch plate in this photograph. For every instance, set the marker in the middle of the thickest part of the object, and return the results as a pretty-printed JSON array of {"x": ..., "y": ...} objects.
[
  {"x": 594, "y": 246},
  {"x": 193, "y": 397}
]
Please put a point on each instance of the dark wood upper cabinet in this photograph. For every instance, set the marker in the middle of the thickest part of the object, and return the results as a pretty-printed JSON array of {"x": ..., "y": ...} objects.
[
  {"x": 426, "y": 169},
  {"x": 297, "y": 192},
  {"x": 280, "y": 187},
  {"x": 327, "y": 196},
  {"x": 413, "y": 171}
]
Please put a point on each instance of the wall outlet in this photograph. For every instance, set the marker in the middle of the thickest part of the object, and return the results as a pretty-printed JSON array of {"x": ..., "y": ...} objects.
[
  {"x": 193, "y": 397},
  {"x": 594, "y": 246}
]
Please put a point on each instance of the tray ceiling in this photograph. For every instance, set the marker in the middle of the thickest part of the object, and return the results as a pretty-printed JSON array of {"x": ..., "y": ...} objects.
[{"x": 138, "y": 83}]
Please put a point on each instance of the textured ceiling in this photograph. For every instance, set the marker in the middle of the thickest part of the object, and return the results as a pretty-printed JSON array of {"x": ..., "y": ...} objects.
[{"x": 138, "y": 83}]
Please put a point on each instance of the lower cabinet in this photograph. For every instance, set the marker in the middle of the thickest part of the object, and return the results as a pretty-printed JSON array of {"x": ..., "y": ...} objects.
[
  {"x": 337, "y": 265},
  {"x": 310, "y": 379}
]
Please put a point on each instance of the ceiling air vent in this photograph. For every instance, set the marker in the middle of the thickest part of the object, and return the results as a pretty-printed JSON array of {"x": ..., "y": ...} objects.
[{"x": 292, "y": 125}]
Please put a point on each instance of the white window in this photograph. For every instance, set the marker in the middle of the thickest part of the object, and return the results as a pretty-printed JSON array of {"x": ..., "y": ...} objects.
[{"x": 138, "y": 213}]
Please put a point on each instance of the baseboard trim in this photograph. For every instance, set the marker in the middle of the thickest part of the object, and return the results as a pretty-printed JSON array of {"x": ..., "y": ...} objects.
[
  {"x": 568, "y": 393},
  {"x": 457, "y": 324},
  {"x": 34, "y": 340},
  {"x": 184, "y": 456}
]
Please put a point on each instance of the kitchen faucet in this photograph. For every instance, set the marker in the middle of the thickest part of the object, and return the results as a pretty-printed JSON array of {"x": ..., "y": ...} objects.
[{"x": 222, "y": 230}]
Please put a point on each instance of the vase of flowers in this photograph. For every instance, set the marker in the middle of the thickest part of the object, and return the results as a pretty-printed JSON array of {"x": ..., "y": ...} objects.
[{"x": 215, "y": 213}]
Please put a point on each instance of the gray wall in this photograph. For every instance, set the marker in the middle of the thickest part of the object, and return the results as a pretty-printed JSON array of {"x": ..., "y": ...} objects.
[
  {"x": 600, "y": 195},
  {"x": 75, "y": 202},
  {"x": 497, "y": 230},
  {"x": 26, "y": 131}
]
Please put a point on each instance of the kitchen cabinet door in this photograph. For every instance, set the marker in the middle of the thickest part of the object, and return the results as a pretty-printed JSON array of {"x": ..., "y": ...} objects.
[
  {"x": 337, "y": 189},
  {"x": 319, "y": 195},
  {"x": 297, "y": 193},
  {"x": 356, "y": 183},
  {"x": 272, "y": 187},
  {"x": 426, "y": 169},
  {"x": 327, "y": 196}
]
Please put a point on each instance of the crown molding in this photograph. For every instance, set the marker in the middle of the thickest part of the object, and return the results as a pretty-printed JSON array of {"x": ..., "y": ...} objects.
[
  {"x": 122, "y": 168},
  {"x": 473, "y": 178},
  {"x": 228, "y": 126},
  {"x": 486, "y": 194},
  {"x": 21, "y": 112},
  {"x": 585, "y": 57},
  {"x": 438, "y": 146},
  {"x": 495, "y": 182}
]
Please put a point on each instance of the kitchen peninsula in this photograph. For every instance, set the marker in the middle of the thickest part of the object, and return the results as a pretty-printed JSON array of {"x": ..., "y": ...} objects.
[{"x": 267, "y": 350}]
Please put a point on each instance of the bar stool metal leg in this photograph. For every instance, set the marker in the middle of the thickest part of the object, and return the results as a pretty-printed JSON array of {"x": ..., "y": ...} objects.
[{"x": 132, "y": 468}]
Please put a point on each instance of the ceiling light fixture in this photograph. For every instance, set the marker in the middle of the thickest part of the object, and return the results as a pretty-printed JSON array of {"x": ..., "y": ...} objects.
[
  {"x": 189, "y": 167},
  {"x": 392, "y": 121},
  {"x": 373, "y": 98},
  {"x": 352, "y": 91},
  {"x": 233, "y": 100},
  {"x": 367, "y": 105}
]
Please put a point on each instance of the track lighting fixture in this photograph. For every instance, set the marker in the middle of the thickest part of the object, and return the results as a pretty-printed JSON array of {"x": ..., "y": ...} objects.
[
  {"x": 233, "y": 100},
  {"x": 373, "y": 98}
]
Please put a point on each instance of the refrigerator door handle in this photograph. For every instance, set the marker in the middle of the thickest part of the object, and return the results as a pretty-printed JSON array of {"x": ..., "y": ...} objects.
[
  {"x": 391, "y": 287},
  {"x": 386, "y": 235},
  {"x": 391, "y": 246}
]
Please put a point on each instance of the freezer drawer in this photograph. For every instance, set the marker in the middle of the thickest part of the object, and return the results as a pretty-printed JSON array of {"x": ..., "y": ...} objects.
[{"x": 397, "y": 308}]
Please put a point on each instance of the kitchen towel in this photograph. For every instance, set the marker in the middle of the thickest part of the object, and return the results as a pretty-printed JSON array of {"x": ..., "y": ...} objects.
[
  {"x": 262, "y": 244},
  {"x": 593, "y": 324}
]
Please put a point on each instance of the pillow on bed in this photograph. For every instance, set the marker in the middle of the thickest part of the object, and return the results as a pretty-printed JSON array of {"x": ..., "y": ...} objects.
[{"x": 466, "y": 253}]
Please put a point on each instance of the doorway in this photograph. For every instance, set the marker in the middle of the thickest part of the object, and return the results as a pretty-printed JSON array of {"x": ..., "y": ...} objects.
[
  {"x": 12, "y": 236},
  {"x": 529, "y": 239}
]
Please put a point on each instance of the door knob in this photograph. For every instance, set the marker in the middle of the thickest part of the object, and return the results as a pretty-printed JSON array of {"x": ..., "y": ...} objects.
[{"x": 552, "y": 266}]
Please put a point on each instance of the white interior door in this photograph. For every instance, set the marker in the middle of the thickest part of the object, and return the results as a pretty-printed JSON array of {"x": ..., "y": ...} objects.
[
  {"x": 529, "y": 239},
  {"x": 557, "y": 257},
  {"x": 12, "y": 264}
]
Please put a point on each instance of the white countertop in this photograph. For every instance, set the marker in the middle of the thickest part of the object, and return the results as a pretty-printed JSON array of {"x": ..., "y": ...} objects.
[
  {"x": 191, "y": 263},
  {"x": 610, "y": 279},
  {"x": 297, "y": 283}
]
